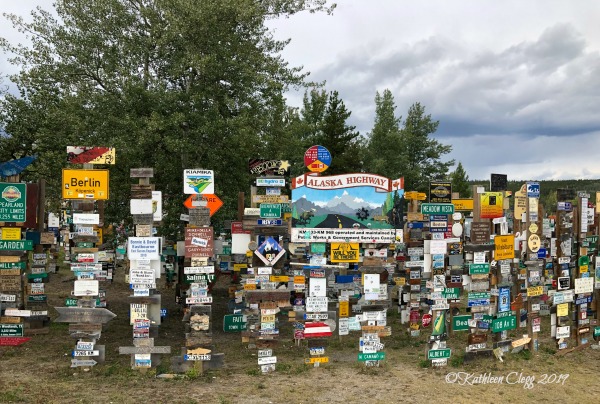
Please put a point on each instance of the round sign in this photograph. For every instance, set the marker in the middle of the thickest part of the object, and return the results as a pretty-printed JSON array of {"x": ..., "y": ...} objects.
[
  {"x": 456, "y": 216},
  {"x": 534, "y": 242},
  {"x": 317, "y": 159},
  {"x": 426, "y": 320},
  {"x": 253, "y": 245},
  {"x": 457, "y": 229},
  {"x": 533, "y": 228}
]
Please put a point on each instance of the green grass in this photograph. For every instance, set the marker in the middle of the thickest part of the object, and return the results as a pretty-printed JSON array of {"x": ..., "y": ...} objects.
[{"x": 12, "y": 396}]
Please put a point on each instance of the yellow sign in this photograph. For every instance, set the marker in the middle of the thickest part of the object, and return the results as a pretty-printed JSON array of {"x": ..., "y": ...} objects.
[
  {"x": 562, "y": 309},
  {"x": 419, "y": 196},
  {"x": 583, "y": 268},
  {"x": 491, "y": 205},
  {"x": 504, "y": 247},
  {"x": 99, "y": 232},
  {"x": 280, "y": 278},
  {"x": 238, "y": 267},
  {"x": 400, "y": 281},
  {"x": 535, "y": 291},
  {"x": 344, "y": 308},
  {"x": 344, "y": 252},
  {"x": 299, "y": 279},
  {"x": 84, "y": 184},
  {"x": 11, "y": 233},
  {"x": 520, "y": 202},
  {"x": 250, "y": 286},
  {"x": 323, "y": 359},
  {"x": 463, "y": 204},
  {"x": 269, "y": 318}
]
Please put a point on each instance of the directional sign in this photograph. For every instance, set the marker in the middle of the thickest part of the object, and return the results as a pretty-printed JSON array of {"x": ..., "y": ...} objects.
[
  {"x": 11, "y": 330},
  {"x": 144, "y": 349},
  {"x": 84, "y": 315},
  {"x": 437, "y": 208},
  {"x": 211, "y": 201},
  {"x": 270, "y": 210},
  {"x": 13, "y": 341},
  {"x": 419, "y": 196}
]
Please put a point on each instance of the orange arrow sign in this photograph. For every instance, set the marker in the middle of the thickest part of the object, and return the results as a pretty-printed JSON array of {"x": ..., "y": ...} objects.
[{"x": 213, "y": 202}]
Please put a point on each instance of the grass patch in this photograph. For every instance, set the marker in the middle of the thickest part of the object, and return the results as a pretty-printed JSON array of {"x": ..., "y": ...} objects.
[
  {"x": 424, "y": 363},
  {"x": 457, "y": 361},
  {"x": 12, "y": 396}
]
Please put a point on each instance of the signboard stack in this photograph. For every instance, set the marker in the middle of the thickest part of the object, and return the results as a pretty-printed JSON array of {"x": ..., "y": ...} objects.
[
  {"x": 144, "y": 252},
  {"x": 13, "y": 259},
  {"x": 198, "y": 275},
  {"x": 84, "y": 189},
  {"x": 37, "y": 300}
]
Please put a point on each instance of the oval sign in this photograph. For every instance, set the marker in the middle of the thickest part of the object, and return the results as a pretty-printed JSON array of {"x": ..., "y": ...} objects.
[
  {"x": 534, "y": 243},
  {"x": 457, "y": 230}
]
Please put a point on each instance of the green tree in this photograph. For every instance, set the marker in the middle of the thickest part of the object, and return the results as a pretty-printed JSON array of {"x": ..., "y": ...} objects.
[
  {"x": 422, "y": 153},
  {"x": 342, "y": 141},
  {"x": 384, "y": 146},
  {"x": 171, "y": 84},
  {"x": 460, "y": 181}
]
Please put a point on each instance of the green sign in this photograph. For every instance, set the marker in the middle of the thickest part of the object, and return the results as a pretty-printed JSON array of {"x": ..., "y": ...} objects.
[
  {"x": 438, "y": 353},
  {"x": 451, "y": 293},
  {"x": 479, "y": 295},
  {"x": 226, "y": 250},
  {"x": 70, "y": 302},
  {"x": 12, "y": 265},
  {"x": 37, "y": 298},
  {"x": 460, "y": 323},
  {"x": 40, "y": 277},
  {"x": 318, "y": 248},
  {"x": 11, "y": 330},
  {"x": 234, "y": 322},
  {"x": 13, "y": 203},
  {"x": 505, "y": 323},
  {"x": 596, "y": 331},
  {"x": 85, "y": 244},
  {"x": 591, "y": 242},
  {"x": 479, "y": 269},
  {"x": 437, "y": 208},
  {"x": 16, "y": 245},
  {"x": 270, "y": 210},
  {"x": 584, "y": 260},
  {"x": 377, "y": 356}
]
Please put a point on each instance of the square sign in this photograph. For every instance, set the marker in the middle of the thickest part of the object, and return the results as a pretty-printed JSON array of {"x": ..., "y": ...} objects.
[
  {"x": 13, "y": 202},
  {"x": 270, "y": 210},
  {"x": 198, "y": 182},
  {"x": 533, "y": 189}
]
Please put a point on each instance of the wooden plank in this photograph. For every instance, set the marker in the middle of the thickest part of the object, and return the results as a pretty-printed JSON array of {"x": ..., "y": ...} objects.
[
  {"x": 141, "y": 172},
  {"x": 139, "y": 191}
]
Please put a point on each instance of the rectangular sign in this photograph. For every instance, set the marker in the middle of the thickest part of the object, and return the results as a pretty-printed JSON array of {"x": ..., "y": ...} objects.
[
  {"x": 13, "y": 202},
  {"x": 437, "y": 208},
  {"x": 504, "y": 247},
  {"x": 10, "y": 233},
  {"x": 440, "y": 192},
  {"x": 344, "y": 252},
  {"x": 198, "y": 182},
  {"x": 270, "y": 182},
  {"x": 143, "y": 248},
  {"x": 16, "y": 245},
  {"x": 85, "y": 184},
  {"x": 438, "y": 353},
  {"x": 199, "y": 233},
  {"x": 270, "y": 210},
  {"x": 91, "y": 155},
  {"x": 491, "y": 205}
]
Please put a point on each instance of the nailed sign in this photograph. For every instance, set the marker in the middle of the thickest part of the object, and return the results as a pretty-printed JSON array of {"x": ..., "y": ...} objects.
[
  {"x": 90, "y": 155},
  {"x": 198, "y": 182},
  {"x": 344, "y": 252},
  {"x": 13, "y": 203},
  {"x": 84, "y": 184},
  {"x": 196, "y": 248},
  {"x": 440, "y": 192},
  {"x": 16, "y": 245},
  {"x": 268, "y": 167}
]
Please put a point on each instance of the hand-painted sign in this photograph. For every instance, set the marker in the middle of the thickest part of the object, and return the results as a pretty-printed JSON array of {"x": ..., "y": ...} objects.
[
  {"x": 317, "y": 159},
  {"x": 90, "y": 155},
  {"x": 268, "y": 167},
  {"x": 198, "y": 182},
  {"x": 85, "y": 184},
  {"x": 13, "y": 202}
]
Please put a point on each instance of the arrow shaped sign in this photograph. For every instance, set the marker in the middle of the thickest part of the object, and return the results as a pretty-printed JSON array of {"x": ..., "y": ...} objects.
[
  {"x": 212, "y": 201},
  {"x": 82, "y": 362},
  {"x": 84, "y": 315}
]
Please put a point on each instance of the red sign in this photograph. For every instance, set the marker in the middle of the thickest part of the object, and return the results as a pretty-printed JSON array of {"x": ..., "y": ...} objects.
[
  {"x": 238, "y": 228},
  {"x": 426, "y": 320},
  {"x": 13, "y": 341},
  {"x": 316, "y": 330},
  {"x": 213, "y": 202}
]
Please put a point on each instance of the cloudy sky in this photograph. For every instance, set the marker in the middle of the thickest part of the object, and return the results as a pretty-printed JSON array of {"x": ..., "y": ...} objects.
[{"x": 515, "y": 84}]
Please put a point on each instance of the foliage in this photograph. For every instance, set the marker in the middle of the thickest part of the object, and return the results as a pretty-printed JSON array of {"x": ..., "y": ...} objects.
[
  {"x": 460, "y": 181},
  {"x": 171, "y": 84}
]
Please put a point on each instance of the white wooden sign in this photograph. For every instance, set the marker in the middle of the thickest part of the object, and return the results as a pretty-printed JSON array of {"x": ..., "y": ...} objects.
[
  {"x": 86, "y": 218},
  {"x": 85, "y": 288},
  {"x": 139, "y": 248}
]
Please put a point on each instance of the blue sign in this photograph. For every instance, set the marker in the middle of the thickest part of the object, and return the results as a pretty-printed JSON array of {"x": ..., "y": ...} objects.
[
  {"x": 270, "y": 222},
  {"x": 415, "y": 225},
  {"x": 478, "y": 302},
  {"x": 542, "y": 253},
  {"x": 438, "y": 218},
  {"x": 163, "y": 312},
  {"x": 533, "y": 189},
  {"x": 583, "y": 300},
  {"x": 503, "y": 299}
]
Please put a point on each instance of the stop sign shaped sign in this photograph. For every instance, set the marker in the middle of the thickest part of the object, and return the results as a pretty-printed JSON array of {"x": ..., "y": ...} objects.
[{"x": 426, "y": 320}]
